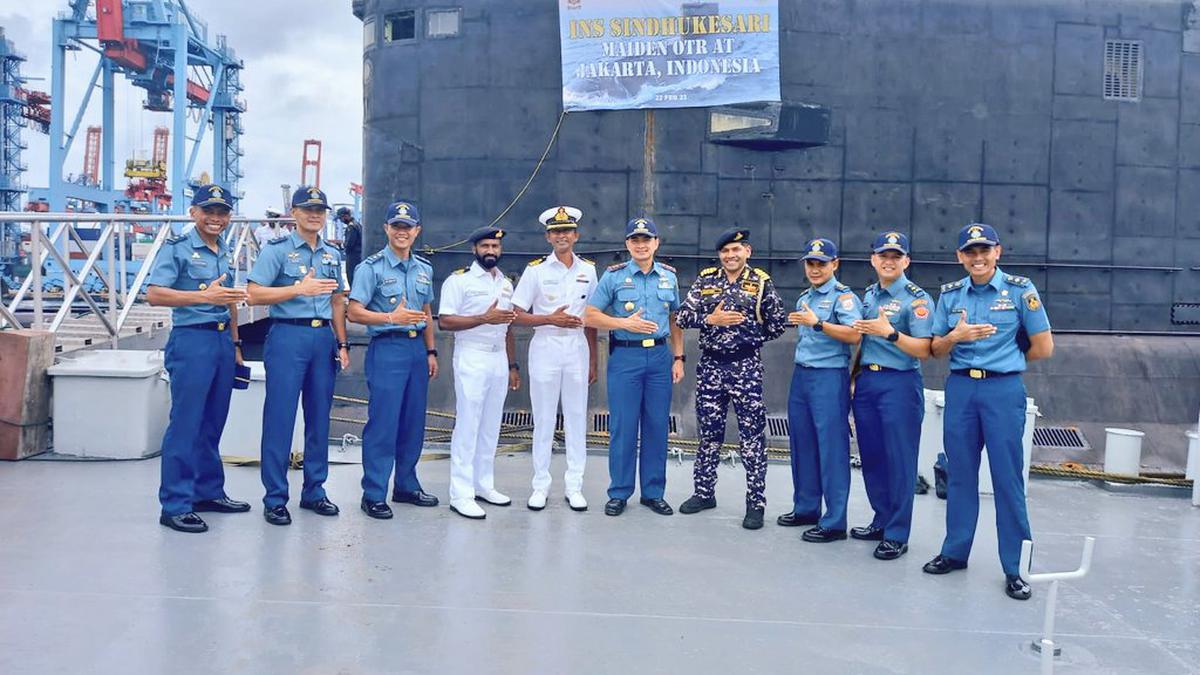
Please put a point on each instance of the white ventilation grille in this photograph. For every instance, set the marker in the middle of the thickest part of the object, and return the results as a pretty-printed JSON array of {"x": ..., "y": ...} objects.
[{"x": 1122, "y": 70}]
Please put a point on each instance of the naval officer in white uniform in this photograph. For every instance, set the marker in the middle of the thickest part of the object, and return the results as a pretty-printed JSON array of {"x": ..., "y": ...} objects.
[
  {"x": 551, "y": 297},
  {"x": 476, "y": 304}
]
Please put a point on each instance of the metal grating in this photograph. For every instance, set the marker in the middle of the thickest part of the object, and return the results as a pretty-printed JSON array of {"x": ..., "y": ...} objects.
[
  {"x": 777, "y": 426},
  {"x": 1185, "y": 314},
  {"x": 600, "y": 423},
  {"x": 1060, "y": 438},
  {"x": 517, "y": 418},
  {"x": 1122, "y": 70}
]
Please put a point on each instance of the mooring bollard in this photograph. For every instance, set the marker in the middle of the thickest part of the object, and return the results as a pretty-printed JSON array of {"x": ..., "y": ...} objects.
[{"x": 1046, "y": 645}]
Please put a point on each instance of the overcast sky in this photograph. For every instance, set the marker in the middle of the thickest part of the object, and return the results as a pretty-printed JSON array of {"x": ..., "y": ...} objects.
[{"x": 303, "y": 79}]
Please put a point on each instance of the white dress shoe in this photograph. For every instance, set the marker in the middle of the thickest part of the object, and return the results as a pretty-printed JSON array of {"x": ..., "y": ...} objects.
[
  {"x": 577, "y": 502},
  {"x": 468, "y": 509},
  {"x": 494, "y": 497},
  {"x": 537, "y": 501}
]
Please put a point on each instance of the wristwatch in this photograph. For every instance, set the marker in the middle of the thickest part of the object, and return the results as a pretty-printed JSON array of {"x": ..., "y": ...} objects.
[
  {"x": 682, "y": 358},
  {"x": 431, "y": 352},
  {"x": 819, "y": 326},
  {"x": 514, "y": 366},
  {"x": 343, "y": 345},
  {"x": 895, "y": 336},
  {"x": 237, "y": 343}
]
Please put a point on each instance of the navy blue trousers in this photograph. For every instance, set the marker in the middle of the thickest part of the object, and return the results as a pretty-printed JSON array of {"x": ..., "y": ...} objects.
[
  {"x": 397, "y": 370},
  {"x": 301, "y": 364},
  {"x": 639, "y": 400},
  {"x": 200, "y": 362},
  {"x": 888, "y": 409},
  {"x": 819, "y": 423}
]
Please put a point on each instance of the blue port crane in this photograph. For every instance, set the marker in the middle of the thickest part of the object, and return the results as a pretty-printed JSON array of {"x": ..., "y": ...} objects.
[{"x": 163, "y": 48}]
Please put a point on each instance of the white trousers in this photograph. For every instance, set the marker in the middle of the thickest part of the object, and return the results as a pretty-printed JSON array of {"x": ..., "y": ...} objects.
[
  {"x": 480, "y": 386},
  {"x": 558, "y": 367}
]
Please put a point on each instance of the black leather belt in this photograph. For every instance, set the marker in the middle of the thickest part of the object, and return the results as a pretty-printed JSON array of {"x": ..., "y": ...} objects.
[
  {"x": 406, "y": 334},
  {"x": 211, "y": 325},
  {"x": 738, "y": 354},
  {"x": 312, "y": 323},
  {"x": 980, "y": 373},
  {"x": 647, "y": 343},
  {"x": 876, "y": 368}
]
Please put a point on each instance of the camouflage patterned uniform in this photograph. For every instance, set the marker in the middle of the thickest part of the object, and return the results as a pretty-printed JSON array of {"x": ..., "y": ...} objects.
[{"x": 731, "y": 369}]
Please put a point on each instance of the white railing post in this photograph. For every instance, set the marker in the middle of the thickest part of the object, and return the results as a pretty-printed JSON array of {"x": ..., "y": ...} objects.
[
  {"x": 1046, "y": 645},
  {"x": 112, "y": 284},
  {"x": 35, "y": 271}
]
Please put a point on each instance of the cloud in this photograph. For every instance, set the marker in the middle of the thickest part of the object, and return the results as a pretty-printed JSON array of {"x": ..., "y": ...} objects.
[{"x": 303, "y": 79}]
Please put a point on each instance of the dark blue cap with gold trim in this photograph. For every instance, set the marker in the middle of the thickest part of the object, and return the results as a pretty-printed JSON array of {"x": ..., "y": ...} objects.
[
  {"x": 485, "y": 233},
  {"x": 641, "y": 227},
  {"x": 736, "y": 235},
  {"x": 977, "y": 234},
  {"x": 212, "y": 195},
  {"x": 403, "y": 211},
  {"x": 821, "y": 249},
  {"x": 309, "y": 197},
  {"x": 891, "y": 241}
]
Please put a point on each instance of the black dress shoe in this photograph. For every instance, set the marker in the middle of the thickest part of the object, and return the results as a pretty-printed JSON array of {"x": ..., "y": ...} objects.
[
  {"x": 418, "y": 498},
  {"x": 321, "y": 507},
  {"x": 1016, "y": 587},
  {"x": 793, "y": 519},
  {"x": 890, "y": 550},
  {"x": 943, "y": 565},
  {"x": 868, "y": 533},
  {"x": 378, "y": 510},
  {"x": 659, "y": 506},
  {"x": 753, "y": 519},
  {"x": 614, "y": 507},
  {"x": 696, "y": 504},
  {"x": 222, "y": 505},
  {"x": 820, "y": 535},
  {"x": 185, "y": 522},
  {"x": 278, "y": 515}
]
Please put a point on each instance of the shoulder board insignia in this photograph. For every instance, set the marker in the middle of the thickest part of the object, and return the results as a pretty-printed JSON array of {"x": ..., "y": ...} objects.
[
  {"x": 953, "y": 285},
  {"x": 461, "y": 270},
  {"x": 762, "y": 274},
  {"x": 373, "y": 257},
  {"x": 614, "y": 268},
  {"x": 1016, "y": 280},
  {"x": 535, "y": 262},
  {"x": 176, "y": 240},
  {"x": 842, "y": 287},
  {"x": 915, "y": 289},
  {"x": 280, "y": 240},
  {"x": 590, "y": 262},
  {"x": 667, "y": 267},
  {"x": 419, "y": 258},
  {"x": 708, "y": 271}
]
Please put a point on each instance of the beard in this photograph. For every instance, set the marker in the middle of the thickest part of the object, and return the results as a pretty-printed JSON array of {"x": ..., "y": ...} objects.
[{"x": 487, "y": 261}]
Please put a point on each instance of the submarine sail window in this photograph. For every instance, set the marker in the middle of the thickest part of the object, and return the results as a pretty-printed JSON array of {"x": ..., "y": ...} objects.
[
  {"x": 1122, "y": 70},
  {"x": 719, "y": 122},
  {"x": 443, "y": 23},
  {"x": 400, "y": 26}
]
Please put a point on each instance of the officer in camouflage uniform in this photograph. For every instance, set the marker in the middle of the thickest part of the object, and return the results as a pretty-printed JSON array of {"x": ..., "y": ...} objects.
[{"x": 736, "y": 309}]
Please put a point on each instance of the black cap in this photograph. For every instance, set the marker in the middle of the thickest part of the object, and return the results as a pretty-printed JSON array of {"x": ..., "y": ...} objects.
[{"x": 485, "y": 233}]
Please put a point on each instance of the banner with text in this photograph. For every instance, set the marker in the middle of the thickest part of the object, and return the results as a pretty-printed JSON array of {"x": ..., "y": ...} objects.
[{"x": 623, "y": 54}]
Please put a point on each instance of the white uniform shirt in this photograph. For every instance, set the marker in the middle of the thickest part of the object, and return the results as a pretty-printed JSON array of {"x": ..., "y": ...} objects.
[
  {"x": 469, "y": 293},
  {"x": 547, "y": 284},
  {"x": 265, "y": 233}
]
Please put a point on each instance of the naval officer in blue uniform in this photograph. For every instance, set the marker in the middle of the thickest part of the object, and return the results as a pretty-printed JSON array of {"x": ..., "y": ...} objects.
[
  {"x": 191, "y": 275},
  {"x": 889, "y": 395},
  {"x": 300, "y": 276},
  {"x": 391, "y": 295},
  {"x": 636, "y": 302},
  {"x": 978, "y": 322},
  {"x": 819, "y": 397}
]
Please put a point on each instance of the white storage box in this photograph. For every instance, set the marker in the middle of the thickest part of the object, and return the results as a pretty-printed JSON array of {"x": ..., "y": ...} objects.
[
  {"x": 243, "y": 429},
  {"x": 110, "y": 403}
]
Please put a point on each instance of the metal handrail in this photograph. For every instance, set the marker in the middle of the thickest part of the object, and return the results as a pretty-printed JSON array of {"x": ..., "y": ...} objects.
[{"x": 111, "y": 245}]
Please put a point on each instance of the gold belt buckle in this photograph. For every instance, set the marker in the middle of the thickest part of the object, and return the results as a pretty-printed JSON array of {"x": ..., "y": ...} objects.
[
  {"x": 648, "y": 342},
  {"x": 412, "y": 333},
  {"x": 873, "y": 366},
  {"x": 220, "y": 326},
  {"x": 977, "y": 374},
  {"x": 315, "y": 323}
]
